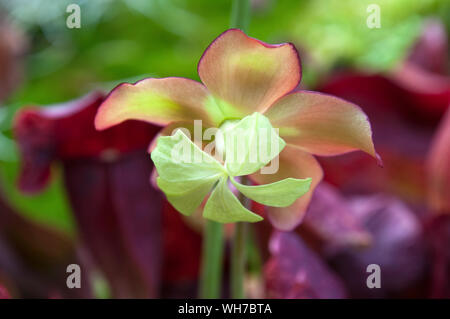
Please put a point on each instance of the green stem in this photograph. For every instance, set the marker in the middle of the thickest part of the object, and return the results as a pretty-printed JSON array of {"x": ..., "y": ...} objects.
[
  {"x": 238, "y": 261},
  {"x": 211, "y": 271},
  {"x": 240, "y": 14},
  {"x": 239, "y": 253},
  {"x": 240, "y": 18}
]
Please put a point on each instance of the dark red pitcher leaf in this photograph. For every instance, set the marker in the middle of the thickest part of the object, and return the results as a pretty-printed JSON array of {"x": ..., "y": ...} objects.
[{"x": 296, "y": 272}]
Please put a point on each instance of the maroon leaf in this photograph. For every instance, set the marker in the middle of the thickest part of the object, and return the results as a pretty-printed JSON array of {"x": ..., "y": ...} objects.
[
  {"x": 182, "y": 249},
  {"x": 398, "y": 247},
  {"x": 106, "y": 175},
  {"x": 431, "y": 49},
  {"x": 119, "y": 220},
  {"x": 34, "y": 258},
  {"x": 438, "y": 229},
  {"x": 330, "y": 219},
  {"x": 294, "y": 271},
  {"x": 424, "y": 75},
  {"x": 66, "y": 131},
  {"x": 438, "y": 232},
  {"x": 438, "y": 169}
]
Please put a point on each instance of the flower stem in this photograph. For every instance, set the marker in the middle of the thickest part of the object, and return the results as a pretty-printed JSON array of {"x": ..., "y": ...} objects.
[
  {"x": 239, "y": 253},
  {"x": 240, "y": 14},
  {"x": 240, "y": 18},
  {"x": 211, "y": 271},
  {"x": 238, "y": 261}
]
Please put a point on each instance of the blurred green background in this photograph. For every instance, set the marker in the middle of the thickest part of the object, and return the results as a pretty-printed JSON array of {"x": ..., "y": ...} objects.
[{"x": 130, "y": 39}]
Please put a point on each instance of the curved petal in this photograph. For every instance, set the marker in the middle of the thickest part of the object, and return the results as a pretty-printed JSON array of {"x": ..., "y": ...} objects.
[
  {"x": 158, "y": 101},
  {"x": 246, "y": 75},
  {"x": 297, "y": 164},
  {"x": 321, "y": 124}
]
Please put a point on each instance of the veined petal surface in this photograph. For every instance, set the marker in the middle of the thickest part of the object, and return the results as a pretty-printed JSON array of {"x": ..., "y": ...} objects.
[
  {"x": 321, "y": 124},
  {"x": 246, "y": 75},
  {"x": 158, "y": 101}
]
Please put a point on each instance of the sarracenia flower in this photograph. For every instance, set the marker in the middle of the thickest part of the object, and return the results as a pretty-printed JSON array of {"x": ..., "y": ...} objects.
[{"x": 241, "y": 76}]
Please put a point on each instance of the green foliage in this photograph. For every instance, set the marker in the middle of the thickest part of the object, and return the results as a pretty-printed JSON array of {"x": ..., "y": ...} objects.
[
  {"x": 335, "y": 32},
  {"x": 49, "y": 207}
]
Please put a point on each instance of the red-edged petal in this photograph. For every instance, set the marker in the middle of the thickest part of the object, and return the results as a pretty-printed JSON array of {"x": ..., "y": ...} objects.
[
  {"x": 321, "y": 124},
  {"x": 295, "y": 163},
  {"x": 246, "y": 75},
  {"x": 157, "y": 101}
]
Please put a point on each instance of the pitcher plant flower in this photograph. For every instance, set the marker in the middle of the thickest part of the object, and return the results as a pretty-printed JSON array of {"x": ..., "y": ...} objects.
[{"x": 244, "y": 79}]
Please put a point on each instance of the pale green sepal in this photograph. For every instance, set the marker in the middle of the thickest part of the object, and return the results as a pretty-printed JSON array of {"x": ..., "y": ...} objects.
[
  {"x": 186, "y": 197},
  {"x": 223, "y": 207},
  {"x": 279, "y": 194},
  {"x": 178, "y": 159},
  {"x": 250, "y": 144}
]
